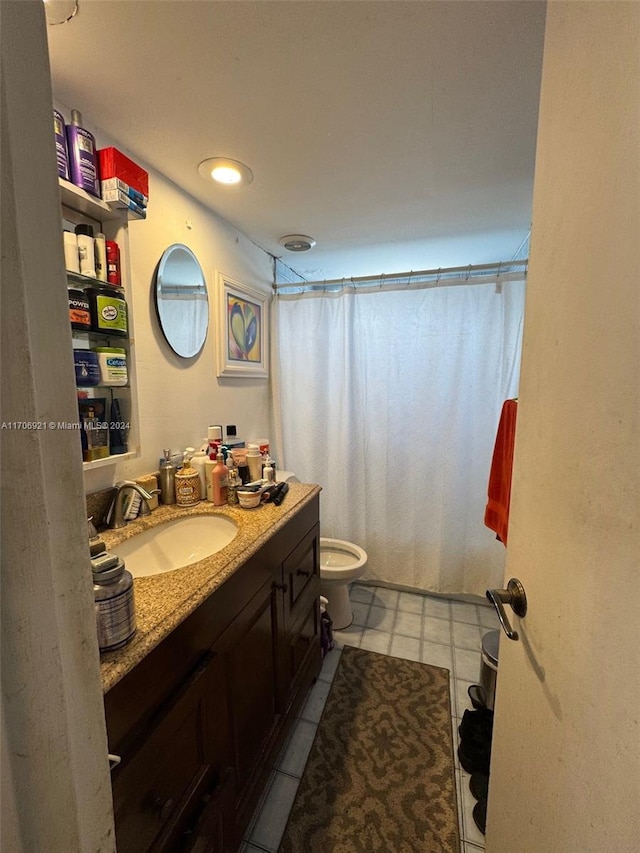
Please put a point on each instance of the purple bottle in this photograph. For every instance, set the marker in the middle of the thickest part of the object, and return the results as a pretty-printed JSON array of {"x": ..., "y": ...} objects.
[
  {"x": 61, "y": 145},
  {"x": 83, "y": 162}
]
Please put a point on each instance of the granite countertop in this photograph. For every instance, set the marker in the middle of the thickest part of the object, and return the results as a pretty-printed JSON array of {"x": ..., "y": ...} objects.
[{"x": 163, "y": 601}]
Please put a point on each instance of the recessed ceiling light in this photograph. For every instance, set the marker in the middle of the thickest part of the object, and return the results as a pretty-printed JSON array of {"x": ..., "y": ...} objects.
[
  {"x": 297, "y": 242},
  {"x": 225, "y": 171}
]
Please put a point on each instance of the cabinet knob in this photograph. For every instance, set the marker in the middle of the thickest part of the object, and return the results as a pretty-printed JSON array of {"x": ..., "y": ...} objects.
[
  {"x": 281, "y": 586},
  {"x": 304, "y": 572}
]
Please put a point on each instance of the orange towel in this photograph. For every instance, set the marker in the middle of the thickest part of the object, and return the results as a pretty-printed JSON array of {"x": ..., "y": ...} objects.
[{"x": 496, "y": 514}]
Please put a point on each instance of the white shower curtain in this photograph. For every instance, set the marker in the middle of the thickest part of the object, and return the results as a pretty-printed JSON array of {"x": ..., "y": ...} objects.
[{"x": 391, "y": 401}]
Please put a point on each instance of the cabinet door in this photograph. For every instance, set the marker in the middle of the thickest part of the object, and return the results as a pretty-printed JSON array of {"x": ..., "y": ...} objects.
[
  {"x": 250, "y": 672},
  {"x": 159, "y": 786}
]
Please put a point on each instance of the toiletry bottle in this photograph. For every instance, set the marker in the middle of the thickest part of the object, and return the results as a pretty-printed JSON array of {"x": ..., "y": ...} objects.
[
  {"x": 114, "y": 606},
  {"x": 209, "y": 465},
  {"x": 167, "y": 479},
  {"x": 187, "y": 482},
  {"x": 243, "y": 468},
  {"x": 71, "y": 257},
  {"x": 113, "y": 263},
  {"x": 254, "y": 461},
  {"x": 83, "y": 163},
  {"x": 61, "y": 145},
  {"x": 86, "y": 250},
  {"x": 100, "y": 248},
  {"x": 234, "y": 480},
  {"x": 198, "y": 461},
  {"x": 220, "y": 481},
  {"x": 268, "y": 472},
  {"x": 214, "y": 434}
]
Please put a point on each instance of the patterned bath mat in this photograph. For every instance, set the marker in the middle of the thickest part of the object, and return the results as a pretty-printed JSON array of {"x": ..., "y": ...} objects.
[{"x": 380, "y": 774}]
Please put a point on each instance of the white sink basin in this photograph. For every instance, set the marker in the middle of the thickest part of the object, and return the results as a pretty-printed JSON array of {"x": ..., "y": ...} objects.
[{"x": 176, "y": 544}]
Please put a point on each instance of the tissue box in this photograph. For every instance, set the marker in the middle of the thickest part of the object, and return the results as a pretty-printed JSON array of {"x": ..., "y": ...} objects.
[{"x": 115, "y": 164}]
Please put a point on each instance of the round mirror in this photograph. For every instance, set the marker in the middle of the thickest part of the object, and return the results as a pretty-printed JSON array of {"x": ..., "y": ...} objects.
[{"x": 181, "y": 300}]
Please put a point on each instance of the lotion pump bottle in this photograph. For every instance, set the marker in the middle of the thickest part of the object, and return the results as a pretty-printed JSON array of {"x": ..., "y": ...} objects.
[{"x": 220, "y": 481}]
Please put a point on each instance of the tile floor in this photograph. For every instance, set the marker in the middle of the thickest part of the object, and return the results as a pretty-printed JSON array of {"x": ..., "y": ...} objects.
[{"x": 425, "y": 628}]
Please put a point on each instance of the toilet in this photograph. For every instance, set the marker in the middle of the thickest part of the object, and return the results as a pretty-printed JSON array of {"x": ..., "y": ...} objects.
[{"x": 340, "y": 563}]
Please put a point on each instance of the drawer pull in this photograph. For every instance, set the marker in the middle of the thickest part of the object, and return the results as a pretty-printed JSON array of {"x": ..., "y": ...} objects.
[
  {"x": 281, "y": 586},
  {"x": 304, "y": 572}
]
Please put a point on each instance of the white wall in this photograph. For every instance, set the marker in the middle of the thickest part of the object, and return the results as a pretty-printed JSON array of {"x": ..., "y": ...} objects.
[{"x": 178, "y": 398}]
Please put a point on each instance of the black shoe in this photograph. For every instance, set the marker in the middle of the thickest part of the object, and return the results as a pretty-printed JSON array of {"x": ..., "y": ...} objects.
[
  {"x": 478, "y": 723},
  {"x": 480, "y": 815},
  {"x": 479, "y": 785},
  {"x": 475, "y": 758}
]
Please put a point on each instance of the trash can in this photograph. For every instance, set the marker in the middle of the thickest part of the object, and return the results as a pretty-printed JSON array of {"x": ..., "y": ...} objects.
[{"x": 489, "y": 667}]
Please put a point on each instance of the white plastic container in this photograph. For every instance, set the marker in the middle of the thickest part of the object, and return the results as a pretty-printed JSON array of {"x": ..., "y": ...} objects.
[
  {"x": 113, "y": 365},
  {"x": 254, "y": 461},
  {"x": 198, "y": 461}
]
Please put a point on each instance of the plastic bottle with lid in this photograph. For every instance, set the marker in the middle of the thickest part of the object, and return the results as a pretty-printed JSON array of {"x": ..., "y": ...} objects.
[
  {"x": 86, "y": 250},
  {"x": 268, "y": 472},
  {"x": 197, "y": 461},
  {"x": 220, "y": 481},
  {"x": 254, "y": 461}
]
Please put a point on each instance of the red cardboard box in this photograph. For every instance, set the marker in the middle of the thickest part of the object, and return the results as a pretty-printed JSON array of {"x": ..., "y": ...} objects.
[{"x": 115, "y": 164}]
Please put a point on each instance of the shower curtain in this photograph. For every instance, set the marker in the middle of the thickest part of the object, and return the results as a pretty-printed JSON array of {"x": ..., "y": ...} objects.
[{"x": 390, "y": 401}]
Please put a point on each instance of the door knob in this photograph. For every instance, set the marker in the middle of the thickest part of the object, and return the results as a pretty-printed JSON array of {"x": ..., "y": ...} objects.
[{"x": 513, "y": 595}]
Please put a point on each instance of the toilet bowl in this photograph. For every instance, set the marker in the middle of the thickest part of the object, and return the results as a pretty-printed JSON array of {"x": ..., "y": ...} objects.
[{"x": 340, "y": 563}]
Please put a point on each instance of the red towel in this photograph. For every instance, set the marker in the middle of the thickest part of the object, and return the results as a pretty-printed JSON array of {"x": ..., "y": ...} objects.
[{"x": 496, "y": 515}]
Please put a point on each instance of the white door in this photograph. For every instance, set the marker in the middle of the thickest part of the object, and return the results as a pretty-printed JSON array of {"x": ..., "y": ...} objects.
[{"x": 565, "y": 772}]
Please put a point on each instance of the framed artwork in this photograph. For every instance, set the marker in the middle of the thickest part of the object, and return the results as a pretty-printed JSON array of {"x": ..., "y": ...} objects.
[{"x": 243, "y": 328}]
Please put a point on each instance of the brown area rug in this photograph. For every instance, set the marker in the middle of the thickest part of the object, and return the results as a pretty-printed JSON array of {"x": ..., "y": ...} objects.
[{"x": 380, "y": 774}]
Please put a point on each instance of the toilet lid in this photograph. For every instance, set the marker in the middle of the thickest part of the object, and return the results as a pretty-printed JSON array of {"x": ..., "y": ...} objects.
[{"x": 490, "y": 643}]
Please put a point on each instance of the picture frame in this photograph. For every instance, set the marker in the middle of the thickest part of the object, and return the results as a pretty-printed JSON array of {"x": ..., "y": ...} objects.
[{"x": 243, "y": 329}]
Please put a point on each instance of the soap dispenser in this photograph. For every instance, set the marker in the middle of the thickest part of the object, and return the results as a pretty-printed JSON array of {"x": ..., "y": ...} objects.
[
  {"x": 187, "y": 484},
  {"x": 167, "y": 479}
]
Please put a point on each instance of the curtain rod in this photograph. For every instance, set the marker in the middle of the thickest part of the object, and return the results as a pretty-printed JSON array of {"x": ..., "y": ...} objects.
[{"x": 500, "y": 271}]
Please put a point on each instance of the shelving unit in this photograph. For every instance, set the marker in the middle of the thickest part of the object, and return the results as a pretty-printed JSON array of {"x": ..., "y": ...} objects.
[{"x": 79, "y": 206}]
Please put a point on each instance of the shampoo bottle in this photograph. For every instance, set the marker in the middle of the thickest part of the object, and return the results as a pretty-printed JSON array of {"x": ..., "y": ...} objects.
[
  {"x": 254, "y": 460},
  {"x": 83, "y": 163},
  {"x": 220, "y": 481}
]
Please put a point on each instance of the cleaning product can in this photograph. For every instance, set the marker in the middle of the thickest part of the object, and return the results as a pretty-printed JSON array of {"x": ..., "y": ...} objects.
[
  {"x": 83, "y": 163},
  {"x": 114, "y": 607}
]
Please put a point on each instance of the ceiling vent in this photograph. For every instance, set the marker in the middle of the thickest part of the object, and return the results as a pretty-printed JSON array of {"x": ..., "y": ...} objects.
[{"x": 297, "y": 242}]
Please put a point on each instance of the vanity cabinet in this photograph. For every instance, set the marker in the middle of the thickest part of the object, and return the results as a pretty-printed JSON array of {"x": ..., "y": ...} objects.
[{"x": 198, "y": 723}]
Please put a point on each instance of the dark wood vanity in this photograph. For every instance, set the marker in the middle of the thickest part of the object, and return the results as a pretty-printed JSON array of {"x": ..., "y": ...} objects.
[{"x": 199, "y": 721}]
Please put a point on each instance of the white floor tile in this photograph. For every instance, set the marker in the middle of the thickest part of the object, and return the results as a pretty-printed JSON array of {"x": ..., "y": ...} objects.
[
  {"x": 385, "y": 597},
  {"x": 488, "y": 618},
  {"x": 380, "y": 618},
  {"x": 360, "y": 612},
  {"x": 405, "y": 647},
  {"x": 466, "y": 636},
  {"x": 269, "y": 827},
  {"x": 438, "y": 607},
  {"x": 330, "y": 664},
  {"x": 312, "y": 708},
  {"x": 410, "y": 602},
  {"x": 294, "y": 757},
  {"x": 467, "y": 663},
  {"x": 376, "y": 641},
  {"x": 361, "y": 593},
  {"x": 461, "y": 611},
  {"x": 350, "y": 636},
  {"x": 436, "y": 630},
  {"x": 408, "y": 624},
  {"x": 437, "y": 655}
]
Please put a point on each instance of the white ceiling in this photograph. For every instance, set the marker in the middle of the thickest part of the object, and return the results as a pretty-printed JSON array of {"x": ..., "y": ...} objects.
[{"x": 400, "y": 135}]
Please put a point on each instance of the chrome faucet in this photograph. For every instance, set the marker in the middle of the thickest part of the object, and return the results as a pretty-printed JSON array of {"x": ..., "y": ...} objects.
[{"x": 116, "y": 511}]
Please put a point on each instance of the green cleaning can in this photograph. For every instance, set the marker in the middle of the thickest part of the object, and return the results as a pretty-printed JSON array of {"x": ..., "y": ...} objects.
[{"x": 108, "y": 310}]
